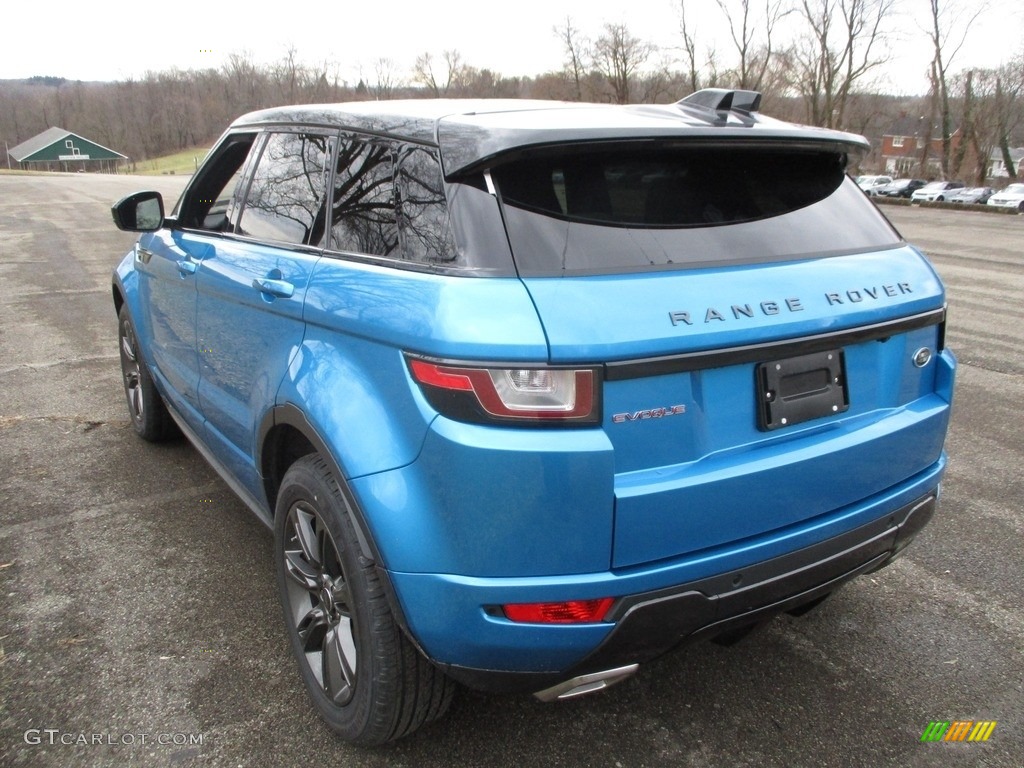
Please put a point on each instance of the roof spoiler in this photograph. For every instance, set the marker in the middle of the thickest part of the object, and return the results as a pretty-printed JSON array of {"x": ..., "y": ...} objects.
[{"x": 722, "y": 100}]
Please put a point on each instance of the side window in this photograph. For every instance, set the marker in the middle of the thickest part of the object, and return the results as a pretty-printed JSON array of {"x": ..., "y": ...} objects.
[
  {"x": 212, "y": 200},
  {"x": 363, "y": 212},
  {"x": 286, "y": 201},
  {"x": 422, "y": 212}
]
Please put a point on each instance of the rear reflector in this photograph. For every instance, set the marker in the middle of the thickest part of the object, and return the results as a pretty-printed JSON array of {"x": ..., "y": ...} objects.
[
  {"x": 436, "y": 376},
  {"x": 569, "y": 612}
]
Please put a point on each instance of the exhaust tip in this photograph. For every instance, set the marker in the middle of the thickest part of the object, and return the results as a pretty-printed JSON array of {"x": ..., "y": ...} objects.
[{"x": 584, "y": 684}]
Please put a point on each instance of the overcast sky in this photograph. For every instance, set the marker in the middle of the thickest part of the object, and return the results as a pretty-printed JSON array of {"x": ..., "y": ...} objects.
[{"x": 510, "y": 38}]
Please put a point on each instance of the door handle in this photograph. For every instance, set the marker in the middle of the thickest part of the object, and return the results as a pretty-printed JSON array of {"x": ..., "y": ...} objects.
[
  {"x": 281, "y": 288},
  {"x": 187, "y": 267}
]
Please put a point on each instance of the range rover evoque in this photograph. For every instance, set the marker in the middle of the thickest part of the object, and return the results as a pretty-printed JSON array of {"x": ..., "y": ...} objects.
[{"x": 531, "y": 393}]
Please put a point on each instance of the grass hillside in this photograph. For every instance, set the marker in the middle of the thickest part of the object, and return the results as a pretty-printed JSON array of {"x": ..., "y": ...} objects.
[{"x": 183, "y": 162}]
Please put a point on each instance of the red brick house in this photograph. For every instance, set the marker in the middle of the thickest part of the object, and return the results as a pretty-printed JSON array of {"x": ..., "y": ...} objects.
[{"x": 910, "y": 140}]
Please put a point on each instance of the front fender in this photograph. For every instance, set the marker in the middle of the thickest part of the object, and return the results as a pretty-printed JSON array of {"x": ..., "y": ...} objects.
[
  {"x": 125, "y": 291},
  {"x": 125, "y": 283}
]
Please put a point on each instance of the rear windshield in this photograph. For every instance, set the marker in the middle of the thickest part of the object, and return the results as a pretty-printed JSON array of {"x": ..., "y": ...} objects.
[{"x": 601, "y": 208}]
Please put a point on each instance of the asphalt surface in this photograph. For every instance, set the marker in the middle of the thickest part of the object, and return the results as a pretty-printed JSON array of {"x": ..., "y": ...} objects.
[{"x": 139, "y": 623}]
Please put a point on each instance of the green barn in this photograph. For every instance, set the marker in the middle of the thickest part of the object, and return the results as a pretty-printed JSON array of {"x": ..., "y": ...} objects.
[{"x": 57, "y": 149}]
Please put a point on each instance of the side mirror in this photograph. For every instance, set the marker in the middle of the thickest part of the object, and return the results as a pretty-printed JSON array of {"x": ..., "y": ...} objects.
[{"x": 141, "y": 212}]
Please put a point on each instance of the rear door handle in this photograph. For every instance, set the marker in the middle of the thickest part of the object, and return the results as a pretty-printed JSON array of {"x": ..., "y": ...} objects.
[
  {"x": 187, "y": 267},
  {"x": 281, "y": 288}
]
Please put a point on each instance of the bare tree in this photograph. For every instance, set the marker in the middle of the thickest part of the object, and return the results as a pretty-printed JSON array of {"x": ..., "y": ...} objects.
[
  {"x": 967, "y": 125},
  {"x": 992, "y": 113},
  {"x": 576, "y": 53},
  {"x": 689, "y": 49},
  {"x": 977, "y": 89},
  {"x": 484, "y": 83},
  {"x": 659, "y": 84},
  {"x": 458, "y": 72},
  {"x": 455, "y": 75},
  {"x": 925, "y": 136},
  {"x": 423, "y": 73},
  {"x": 386, "y": 78},
  {"x": 949, "y": 24},
  {"x": 1009, "y": 108},
  {"x": 287, "y": 74},
  {"x": 842, "y": 45},
  {"x": 549, "y": 85},
  {"x": 318, "y": 87},
  {"x": 618, "y": 56},
  {"x": 244, "y": 81},
  {"x": 753, "y": 36}
]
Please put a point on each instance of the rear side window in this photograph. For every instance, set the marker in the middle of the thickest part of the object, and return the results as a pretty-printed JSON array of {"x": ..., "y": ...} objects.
[
  {"x": 389, "y": 200},
  {"x": 423, "y": 213},
  {"x": 363, "y": 212},
  {"x": 608, "y": 208}
]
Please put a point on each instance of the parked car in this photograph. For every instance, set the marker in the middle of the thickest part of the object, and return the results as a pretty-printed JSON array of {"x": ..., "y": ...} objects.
[
  {"x": 900, "y": 188},
  {"x": 531, "y": 393},
  {"x": 935, "y": 191},
  {"x": 871, "y": 184},
  {"x": 1011, "y": 197},
  {"x": 972, "y": 195}
]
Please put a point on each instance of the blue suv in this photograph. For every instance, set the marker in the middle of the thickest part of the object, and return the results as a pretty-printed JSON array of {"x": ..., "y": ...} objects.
[{"x": 531, "y": 393}]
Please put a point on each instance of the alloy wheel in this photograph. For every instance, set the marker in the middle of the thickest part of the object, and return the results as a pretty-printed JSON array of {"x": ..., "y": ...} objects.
[
  {"x": 131, "y": 371},
  {"x": 319, "y": 603}
]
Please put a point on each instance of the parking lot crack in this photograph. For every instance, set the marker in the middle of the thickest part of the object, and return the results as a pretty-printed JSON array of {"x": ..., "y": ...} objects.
[
  {"x": 989, "y": 368},
  {"x": 89, "y": 424},
  {"x": 54, "y": 363},
  {"x": 64, "y": 518}
]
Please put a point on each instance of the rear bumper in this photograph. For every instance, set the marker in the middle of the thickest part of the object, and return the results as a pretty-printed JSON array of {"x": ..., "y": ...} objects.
[
  {"x": 457, "y": 621},
  {"x": 647, "y": 625},
  {"x": 650, "y": 624}
]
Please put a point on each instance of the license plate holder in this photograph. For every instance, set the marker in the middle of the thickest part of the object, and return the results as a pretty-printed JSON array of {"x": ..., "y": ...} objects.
[{"x": 798, "y": 389}]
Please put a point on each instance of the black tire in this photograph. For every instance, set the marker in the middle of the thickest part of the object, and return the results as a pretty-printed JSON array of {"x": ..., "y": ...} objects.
[
  {"x": 148, "y": 413},
  {"x": 366, "y": 679}
]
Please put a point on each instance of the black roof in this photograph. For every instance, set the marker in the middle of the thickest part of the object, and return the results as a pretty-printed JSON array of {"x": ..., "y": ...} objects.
[
  {"x": 470, "y": 131},
  {"x": 919, "y": 127}
]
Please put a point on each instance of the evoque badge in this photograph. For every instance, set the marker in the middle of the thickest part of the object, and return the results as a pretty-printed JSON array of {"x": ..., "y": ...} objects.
[{"x": 649, "y": 413}]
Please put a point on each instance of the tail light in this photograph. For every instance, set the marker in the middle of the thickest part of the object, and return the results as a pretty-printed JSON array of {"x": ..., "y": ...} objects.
[{"x": 534, "y": 396}]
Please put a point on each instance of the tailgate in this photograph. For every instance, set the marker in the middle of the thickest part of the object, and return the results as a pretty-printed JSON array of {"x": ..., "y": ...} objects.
[{"x": 696, "y": 465}]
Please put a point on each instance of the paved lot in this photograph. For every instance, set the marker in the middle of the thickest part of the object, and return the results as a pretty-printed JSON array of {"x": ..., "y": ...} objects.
[{"x": 137, "y": 600}]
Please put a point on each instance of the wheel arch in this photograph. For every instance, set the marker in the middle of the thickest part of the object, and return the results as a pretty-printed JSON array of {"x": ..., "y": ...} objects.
[
  {"x": 284, "y": 436},
  {"x": 124, "y": 283}
]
